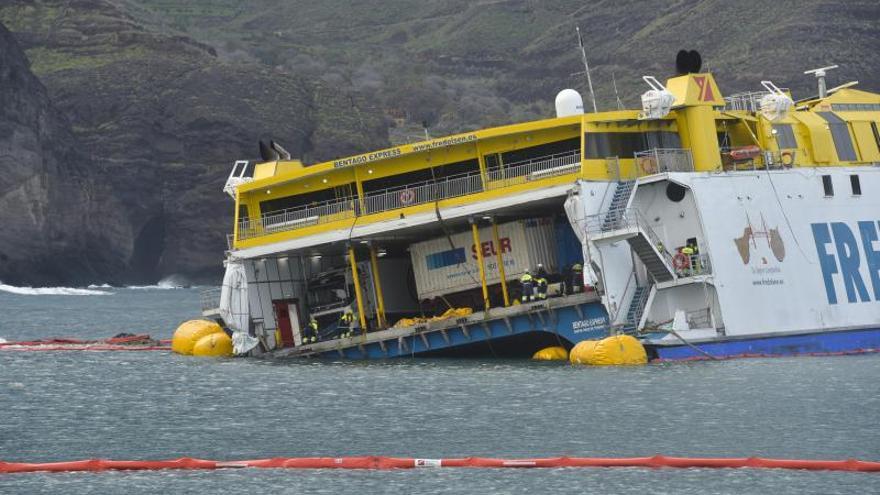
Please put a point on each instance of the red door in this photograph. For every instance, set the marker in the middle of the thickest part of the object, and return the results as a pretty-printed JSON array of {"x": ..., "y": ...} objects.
[{"x": 282, "y": 316}]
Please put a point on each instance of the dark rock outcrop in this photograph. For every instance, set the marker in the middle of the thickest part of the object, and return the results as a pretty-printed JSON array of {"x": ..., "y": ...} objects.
[
  {"x": 159, "y": 120},
  {"x": 49, "y": 231}
]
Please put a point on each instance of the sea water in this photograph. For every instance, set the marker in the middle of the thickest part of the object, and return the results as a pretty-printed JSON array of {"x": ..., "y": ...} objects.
[{"x": 156, "y": 405}]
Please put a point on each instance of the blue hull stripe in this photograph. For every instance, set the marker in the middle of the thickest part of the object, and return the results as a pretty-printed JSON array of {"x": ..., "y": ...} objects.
[
  {"x": 838, "y": 342},
  {"x": 565, "y": 324}
]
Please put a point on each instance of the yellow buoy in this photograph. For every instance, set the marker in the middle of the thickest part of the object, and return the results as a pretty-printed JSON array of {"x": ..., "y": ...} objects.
[
  {"x": 555, "y": 353},
  {"x": 213, "y": 345},
  {"x": 610, "y": 351},
  {"x": 187, "y": 334}
]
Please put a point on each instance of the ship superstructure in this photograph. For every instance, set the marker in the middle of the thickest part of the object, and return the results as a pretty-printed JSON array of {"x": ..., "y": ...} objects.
[{"x": 704, "y": 225}]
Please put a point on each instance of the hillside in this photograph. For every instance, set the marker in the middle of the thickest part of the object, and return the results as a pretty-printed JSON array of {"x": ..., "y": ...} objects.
[
  {"x": 160, "y": 96},
  {"x": 461, "y": 65}
]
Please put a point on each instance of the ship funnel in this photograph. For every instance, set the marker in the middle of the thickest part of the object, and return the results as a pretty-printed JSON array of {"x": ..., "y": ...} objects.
[
  {"x": 820, "y": 77},
  {"x": 568, "y": 103},
  {"x": 688, "y": 62}
]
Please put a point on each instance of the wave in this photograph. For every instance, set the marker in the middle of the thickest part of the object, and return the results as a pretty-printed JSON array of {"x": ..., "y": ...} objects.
[
  {"x": 52, "y": 291},
  {"x": 169, "y": 282},
  {"x": 102, "y": 286}
]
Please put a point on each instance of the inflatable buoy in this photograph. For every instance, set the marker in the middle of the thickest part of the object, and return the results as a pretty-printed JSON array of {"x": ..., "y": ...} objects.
[
  {"x": 610, "y": 351},
  {"x": 790, "y": 156},
  {"x": 681, "y": 261},
  {"x": 187, "y": 334},
  {"x": 555, "y": 353},
  {"x": 217, "y": 344}
]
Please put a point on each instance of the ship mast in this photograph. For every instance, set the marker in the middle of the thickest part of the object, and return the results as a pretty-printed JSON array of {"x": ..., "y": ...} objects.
[{"x": 586, "y": 68}]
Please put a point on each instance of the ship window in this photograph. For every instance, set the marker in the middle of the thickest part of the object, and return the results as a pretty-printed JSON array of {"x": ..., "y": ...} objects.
[
  {"x": 876, "y": 134},
  {"x": 296, "y": 201},
  {"x": 572, "y": 145},
  {"x": 675, "y": 192},
  {"x": 840, "y": 134},
  {"x": 420, "y": 176},
  {"x": 856, "y": 185},
  {"x": 601, "y": 145},
  {"x": 785, "y": 136},
  {"x": 827, "y": 185}
]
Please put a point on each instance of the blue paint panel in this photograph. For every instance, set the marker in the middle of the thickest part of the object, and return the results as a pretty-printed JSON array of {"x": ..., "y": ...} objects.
[
  {"x": 822, "y": 237},
  {"x": 445, "y": 258},
  {"x": 568, "y": 248},
  {"x": 568, "y": 325},
  {"x": 817, "y": 343}
]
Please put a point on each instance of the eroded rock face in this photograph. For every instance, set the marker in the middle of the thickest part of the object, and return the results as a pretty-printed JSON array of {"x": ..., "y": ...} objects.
[
  {"x": 152, "y": 123},
  {"x": 46, "y": 190}
]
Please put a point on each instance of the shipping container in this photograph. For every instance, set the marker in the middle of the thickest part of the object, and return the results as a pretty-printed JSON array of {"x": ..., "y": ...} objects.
[{"x": 449, "y": 264}]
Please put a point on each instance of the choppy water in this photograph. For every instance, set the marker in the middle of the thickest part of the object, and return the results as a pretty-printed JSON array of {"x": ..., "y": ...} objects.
[{"x": 71, "y": 405}]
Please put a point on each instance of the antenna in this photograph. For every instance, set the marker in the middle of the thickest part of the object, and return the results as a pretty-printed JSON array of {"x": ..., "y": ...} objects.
[
  {"x": 820, "y": 75},
  {"x": 616, "y": 95},
  {"x": 586, "y": 68},
  {"x": 842, "y": 86}
]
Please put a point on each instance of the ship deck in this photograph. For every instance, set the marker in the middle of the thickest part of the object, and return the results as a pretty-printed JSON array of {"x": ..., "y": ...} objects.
[{"x": 496, "y": 323}]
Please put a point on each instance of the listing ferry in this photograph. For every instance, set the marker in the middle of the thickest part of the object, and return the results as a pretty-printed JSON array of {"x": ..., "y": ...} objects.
[{"x": 702, "y": 225}]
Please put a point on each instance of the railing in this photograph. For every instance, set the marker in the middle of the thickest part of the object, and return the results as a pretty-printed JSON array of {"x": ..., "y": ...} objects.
[
  {"x": 534, "y": 169},
  {"x": 697, "y": 264},
  {"x": 423, "y": 192},
  {"x": 662, "y": 160},
  {"x": 699, "y": 318},
  {"x": 210, "y": 298},
  {"x": 295, "y": 218},
  {"x": 411, "y": 195},
  {"x": 748, "y": 101}
]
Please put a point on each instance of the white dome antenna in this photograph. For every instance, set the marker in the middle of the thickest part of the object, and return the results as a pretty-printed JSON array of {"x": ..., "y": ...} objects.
[
  {"x": 569, "y": 102},
  {"x": 656, "y": 102},
  {"x": 820, "y": 76},
  {"x": 775, "y": 104}
]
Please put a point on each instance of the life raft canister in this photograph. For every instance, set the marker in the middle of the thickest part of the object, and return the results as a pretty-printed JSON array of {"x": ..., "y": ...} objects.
[{"x": 745, "y": 152}]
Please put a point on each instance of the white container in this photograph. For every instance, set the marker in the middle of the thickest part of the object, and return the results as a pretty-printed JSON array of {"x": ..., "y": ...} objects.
[{"x": 443, "y": 269}]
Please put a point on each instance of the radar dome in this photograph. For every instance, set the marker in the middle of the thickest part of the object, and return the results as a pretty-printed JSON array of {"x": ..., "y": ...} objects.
[{"x": 569, "y": 102}]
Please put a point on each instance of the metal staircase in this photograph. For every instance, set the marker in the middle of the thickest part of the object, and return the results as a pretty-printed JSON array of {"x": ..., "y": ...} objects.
[
  {"x": 619, "y": 202},
  {"x": 628, "y": 224},
  {"x": 656, "y": 263},
  {"x": 636, "y": 308}
]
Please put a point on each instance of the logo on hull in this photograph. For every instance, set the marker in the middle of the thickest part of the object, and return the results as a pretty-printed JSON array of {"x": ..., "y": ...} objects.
[
  {"x": 845, "y": 259},
  {"x": 748, "y": 242}
]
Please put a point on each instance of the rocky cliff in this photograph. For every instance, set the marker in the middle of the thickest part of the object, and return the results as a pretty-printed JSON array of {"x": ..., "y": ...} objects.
[
  {"x": 156, "y": 121},
  {"x": 48, "y": 230}
]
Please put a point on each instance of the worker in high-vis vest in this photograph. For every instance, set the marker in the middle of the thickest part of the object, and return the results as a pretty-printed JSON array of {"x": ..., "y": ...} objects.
[
  {"x": 575, "y": 283},
  {"x": 689, "y": 252},
  {"x": 345, "y": 323},
  {"x": 527, "y": 283},
  {"x": 696, "y": 266},
  {"x": 541, "y": 282},
  {"x": 312, "y": 335}
]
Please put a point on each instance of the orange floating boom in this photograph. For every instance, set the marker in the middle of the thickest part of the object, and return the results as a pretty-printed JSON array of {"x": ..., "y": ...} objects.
[{"x": 375, "y": 462}]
